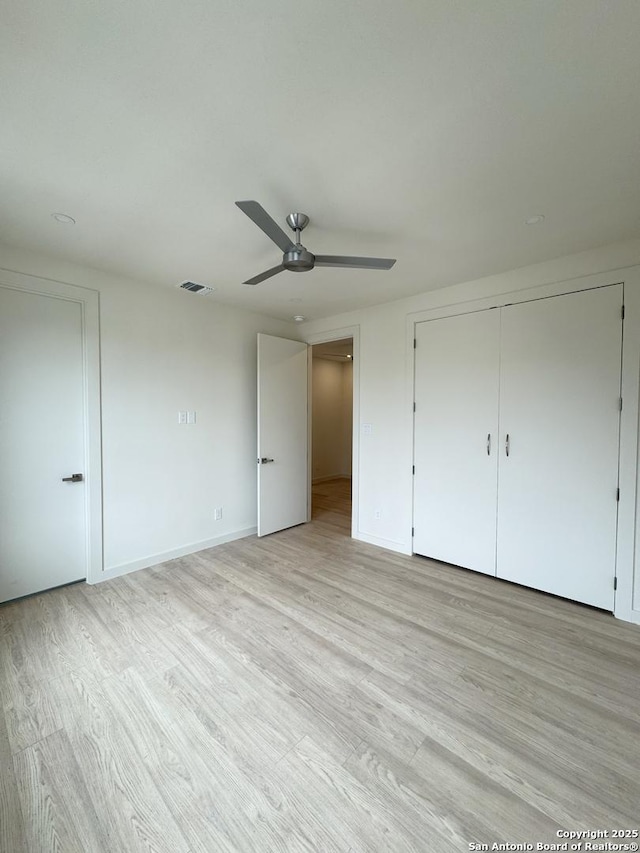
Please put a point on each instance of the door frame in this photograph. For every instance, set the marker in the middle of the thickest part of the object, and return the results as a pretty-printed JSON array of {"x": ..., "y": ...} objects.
[
  {"x": 627, "y": 594},
  {"x": 352, "y": 332},
  {"x": 89, "y": 302}
]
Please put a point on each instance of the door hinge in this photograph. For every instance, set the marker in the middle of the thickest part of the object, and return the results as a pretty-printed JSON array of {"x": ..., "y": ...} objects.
[
  {"x": 413, "y": 469},
  {"x": 620, "y": 404},
  {"x": 414, "y": 407},
  {"x": 615, "y": 583},
  {"x": 414, "y": 343},
  {"x": 618, "y": 494},
  {"x": 413, "y": 531},
  {"x": 622, "y": 312}
]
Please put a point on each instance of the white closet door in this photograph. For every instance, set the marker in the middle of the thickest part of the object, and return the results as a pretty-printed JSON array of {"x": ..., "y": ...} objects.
[
  {"x": 559, "y": 406},
  {"x": 456, "y": 440}
]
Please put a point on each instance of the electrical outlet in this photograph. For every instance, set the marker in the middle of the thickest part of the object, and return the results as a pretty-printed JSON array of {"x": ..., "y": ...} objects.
[
  {"x": 191, "y": 417},
  {"x": 367, "y": 429},
  {"x": 182, "y": 417},
  {"x": 217, "y": 513},
  {"x": 377, "y": 513}
]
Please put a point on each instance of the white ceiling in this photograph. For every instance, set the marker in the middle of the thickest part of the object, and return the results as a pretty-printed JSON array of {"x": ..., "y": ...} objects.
[{"x": 426, "y": 130}]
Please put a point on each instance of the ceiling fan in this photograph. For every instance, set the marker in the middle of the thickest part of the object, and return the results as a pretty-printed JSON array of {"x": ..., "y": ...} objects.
[{"x": 296, "y": 258}]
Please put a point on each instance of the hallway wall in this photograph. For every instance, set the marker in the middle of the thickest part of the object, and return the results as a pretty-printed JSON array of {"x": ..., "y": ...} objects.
[{"x": 332, "y": 415}]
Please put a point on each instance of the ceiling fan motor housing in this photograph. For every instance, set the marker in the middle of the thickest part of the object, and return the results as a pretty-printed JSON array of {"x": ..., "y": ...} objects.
[{"x": 298, "y": 260}]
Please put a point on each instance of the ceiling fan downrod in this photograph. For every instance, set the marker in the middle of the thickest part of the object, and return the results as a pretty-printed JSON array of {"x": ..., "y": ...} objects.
[
  {"x": 297, "y": 222},
  {"x": 298, "y": 259}
]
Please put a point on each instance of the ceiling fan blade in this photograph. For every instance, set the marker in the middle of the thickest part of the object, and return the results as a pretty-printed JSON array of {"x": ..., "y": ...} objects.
[
  {"x": 264, "y": 275},
  {"x": 259, "y": 215},
  {"x": 354, "y": 263}
]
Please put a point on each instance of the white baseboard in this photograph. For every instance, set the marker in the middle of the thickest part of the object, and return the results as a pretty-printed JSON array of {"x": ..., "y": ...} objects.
[
  {"x": 331, "y": 477},
  {"x": 389, "y": 544},
  {"x": 183, "y": 551}
]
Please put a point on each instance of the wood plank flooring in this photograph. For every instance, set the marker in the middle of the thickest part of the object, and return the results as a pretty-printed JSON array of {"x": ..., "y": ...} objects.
[{"x": 307, "y": 692}]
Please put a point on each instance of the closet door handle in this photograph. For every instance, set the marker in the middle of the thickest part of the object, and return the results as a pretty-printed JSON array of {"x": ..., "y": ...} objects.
[
  {"x": 488, "y": 444},
  {"x": 506, "y": 445}
]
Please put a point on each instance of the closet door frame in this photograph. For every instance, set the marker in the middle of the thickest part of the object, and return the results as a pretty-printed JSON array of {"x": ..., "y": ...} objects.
[{"x": 627, "y": 595}]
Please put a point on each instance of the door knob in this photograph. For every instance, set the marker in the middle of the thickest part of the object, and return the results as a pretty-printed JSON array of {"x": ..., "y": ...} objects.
[
  {"x": 264, "y": 460},
  {"x": 74, "y": 478}
]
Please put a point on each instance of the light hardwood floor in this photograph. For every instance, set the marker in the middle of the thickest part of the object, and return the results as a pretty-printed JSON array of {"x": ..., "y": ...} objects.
[{"x": 307, "y": 692}]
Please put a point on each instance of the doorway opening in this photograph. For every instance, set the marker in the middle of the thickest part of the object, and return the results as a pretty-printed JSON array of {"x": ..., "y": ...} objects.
[{"x": 332, "y": 433}]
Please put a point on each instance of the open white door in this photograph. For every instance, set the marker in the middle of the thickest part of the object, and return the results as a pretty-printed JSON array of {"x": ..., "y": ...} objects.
[{"x": 282, "y": 434}]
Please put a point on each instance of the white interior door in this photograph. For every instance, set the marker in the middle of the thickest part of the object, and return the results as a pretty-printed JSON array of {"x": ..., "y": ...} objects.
[
  {"x": 282, "y": 433},
  {"x": 456, "y": 434},
  {"x": 43, "y": 540},
  {"x": 559, "y": 407}
]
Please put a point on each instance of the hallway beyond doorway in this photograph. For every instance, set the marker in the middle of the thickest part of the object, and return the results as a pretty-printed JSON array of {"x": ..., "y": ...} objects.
[{"x": 331, "y": 504}]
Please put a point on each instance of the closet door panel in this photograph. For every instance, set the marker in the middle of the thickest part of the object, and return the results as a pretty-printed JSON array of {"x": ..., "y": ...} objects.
[
  {"x": 456, "y": 394},
  {"x": 559, "y": 407}
]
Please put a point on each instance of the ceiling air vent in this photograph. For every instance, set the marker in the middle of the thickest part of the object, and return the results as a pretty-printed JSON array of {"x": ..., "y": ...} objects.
[{"x": 202, "y": 289}]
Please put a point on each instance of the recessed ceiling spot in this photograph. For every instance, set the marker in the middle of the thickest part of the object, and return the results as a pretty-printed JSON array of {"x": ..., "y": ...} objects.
[
  {"x": 299, "y": 318},
  {"x": 534, "y": 220},
  {"x": 63, "y": 218}
]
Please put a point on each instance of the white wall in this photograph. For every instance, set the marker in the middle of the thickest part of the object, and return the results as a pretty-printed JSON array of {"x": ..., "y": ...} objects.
[
  {"x": 386, "y": 397},
  {"x": 165, "y": 350},
  {"x": 332, "y": 384}
]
